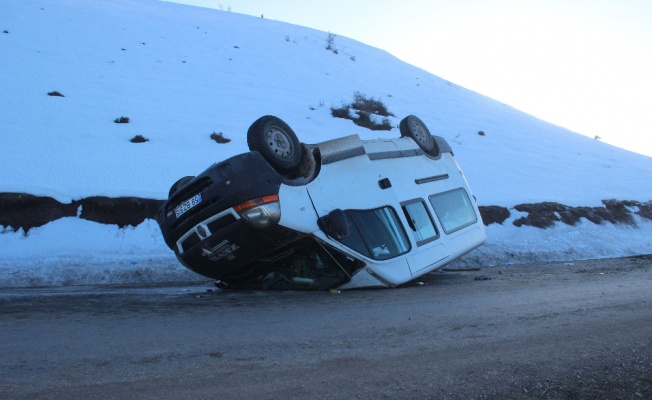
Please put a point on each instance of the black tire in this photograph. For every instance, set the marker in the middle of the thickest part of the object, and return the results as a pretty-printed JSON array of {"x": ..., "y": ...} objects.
[
  {"x": 276, "y": 142},
  {"x": 179, "y": 184},
  {"x": 411, "y": 126}
]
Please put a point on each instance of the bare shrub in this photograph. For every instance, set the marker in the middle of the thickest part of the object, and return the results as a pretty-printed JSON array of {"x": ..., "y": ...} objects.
[
  {"x": 219, "y": 138},
  {"x": 330, "y": 42},
  {"x": 363, "y": 111},
  {"x": 369, "y": 105},
  {"x": 139, "y": 139}
]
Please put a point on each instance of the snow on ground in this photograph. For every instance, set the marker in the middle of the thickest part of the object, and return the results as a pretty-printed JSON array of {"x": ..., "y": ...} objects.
[
  {"x": 180, "y": 73},
  {"x": 509, "y": 245}
]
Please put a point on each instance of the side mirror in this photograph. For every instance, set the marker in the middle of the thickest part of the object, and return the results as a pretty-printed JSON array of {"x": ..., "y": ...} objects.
[{"x": 335, "y": 224}]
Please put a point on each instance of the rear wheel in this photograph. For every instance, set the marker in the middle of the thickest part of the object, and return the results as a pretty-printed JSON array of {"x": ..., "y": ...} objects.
[
  {"x": 276, "y": 142},
  {"x": 412, "y": 126}
]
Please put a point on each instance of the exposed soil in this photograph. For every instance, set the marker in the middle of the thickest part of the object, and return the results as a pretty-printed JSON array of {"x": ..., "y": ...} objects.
[{"x": 25, "y": 211}]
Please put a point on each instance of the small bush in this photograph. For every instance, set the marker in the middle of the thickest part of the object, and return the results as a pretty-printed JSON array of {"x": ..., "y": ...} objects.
[
  {"x": 121, "y": 120},
  {"x": 55, "y": 93},
  {"x": 330, "y": 42},
  {"x": 385, "y": 125},
  {"x": 364, "y": 120},
  {"x": 361, "y": 118},
  {"x": 219, "y": 138},
  {"x": 365, "y": 112},
  {"x": 139, "y": 139},
  {"x": 369, "y": 105},
  {"x": 342, "y": 112}
]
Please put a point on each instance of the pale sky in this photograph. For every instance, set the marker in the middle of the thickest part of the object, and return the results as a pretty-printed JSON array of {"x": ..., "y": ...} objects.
[{"x": 585, "y": 65}]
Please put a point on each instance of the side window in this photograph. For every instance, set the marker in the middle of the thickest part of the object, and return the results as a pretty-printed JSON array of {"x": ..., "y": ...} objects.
[
  {"x": 420, "y": 221},
  {"x": 454, "y": 209},
  {"x": 377, "y": 234}
]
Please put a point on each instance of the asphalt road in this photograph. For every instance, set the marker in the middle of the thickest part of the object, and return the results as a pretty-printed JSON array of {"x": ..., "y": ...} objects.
[{"x": 579, "y": 330}]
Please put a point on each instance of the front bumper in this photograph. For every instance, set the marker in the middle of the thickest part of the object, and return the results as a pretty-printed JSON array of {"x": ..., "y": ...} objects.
[{"x": 210, "y": 238}]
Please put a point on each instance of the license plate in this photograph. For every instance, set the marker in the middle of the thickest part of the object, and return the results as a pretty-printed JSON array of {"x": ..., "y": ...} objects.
[{"x": 187, "y": 205}]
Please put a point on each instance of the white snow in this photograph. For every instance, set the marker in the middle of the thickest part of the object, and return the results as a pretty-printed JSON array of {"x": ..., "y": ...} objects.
[{"x": 180, "y": 73}]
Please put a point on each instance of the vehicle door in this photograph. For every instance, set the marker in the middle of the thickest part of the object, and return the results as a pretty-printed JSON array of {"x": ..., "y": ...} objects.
[
  {"x": 349, "y": 184},
  {"x": 355, "y": 184},
  {"x": 413, "y": 180}
]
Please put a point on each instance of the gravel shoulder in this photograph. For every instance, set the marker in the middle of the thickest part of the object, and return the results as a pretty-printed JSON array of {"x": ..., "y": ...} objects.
[{"x": 540, "y": 331}]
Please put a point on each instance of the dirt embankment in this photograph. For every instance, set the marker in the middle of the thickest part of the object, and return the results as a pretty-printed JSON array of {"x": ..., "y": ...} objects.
[{"x": 26, "y": 211}]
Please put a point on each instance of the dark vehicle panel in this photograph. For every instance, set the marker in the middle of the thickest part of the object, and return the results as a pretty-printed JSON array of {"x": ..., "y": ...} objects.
[
  {"x": 235, "y": 246},
  {"x": 221, "y": 186},
  {"x": 307, "y": 264},
  {"x": 209, "y": 237}
]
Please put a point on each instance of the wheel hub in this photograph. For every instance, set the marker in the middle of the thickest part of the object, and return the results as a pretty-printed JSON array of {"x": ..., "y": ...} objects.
[
  {"x": 419, "y": 133},
  {"x": 278, "y": 142}
]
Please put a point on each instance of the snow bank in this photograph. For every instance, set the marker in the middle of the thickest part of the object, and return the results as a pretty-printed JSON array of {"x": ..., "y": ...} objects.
[{"x": 72, "y": 251}]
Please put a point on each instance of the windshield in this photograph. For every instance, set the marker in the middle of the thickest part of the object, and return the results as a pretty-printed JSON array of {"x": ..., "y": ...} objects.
[{"x": 377, "y": 234}]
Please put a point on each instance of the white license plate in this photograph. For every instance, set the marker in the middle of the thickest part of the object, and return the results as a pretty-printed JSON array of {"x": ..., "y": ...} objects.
[{"x": 187, "y": 205}]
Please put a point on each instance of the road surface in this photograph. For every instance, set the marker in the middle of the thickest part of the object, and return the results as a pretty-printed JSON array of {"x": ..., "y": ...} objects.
[{"x": 547, "y": 331}]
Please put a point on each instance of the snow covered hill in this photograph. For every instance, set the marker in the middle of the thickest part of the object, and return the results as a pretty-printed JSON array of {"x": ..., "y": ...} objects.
[{"x": 181, "y": 73}]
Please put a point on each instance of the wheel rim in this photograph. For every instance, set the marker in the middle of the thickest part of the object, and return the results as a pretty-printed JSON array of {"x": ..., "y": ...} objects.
[
  {"x": 278, "y": 141},
  {"x": 420, "y": 133}
]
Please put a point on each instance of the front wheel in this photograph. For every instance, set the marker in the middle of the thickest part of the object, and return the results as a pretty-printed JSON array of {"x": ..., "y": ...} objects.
[
  {"x": 413, "y": 127},
  {"x": 276, "y": 142}
]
